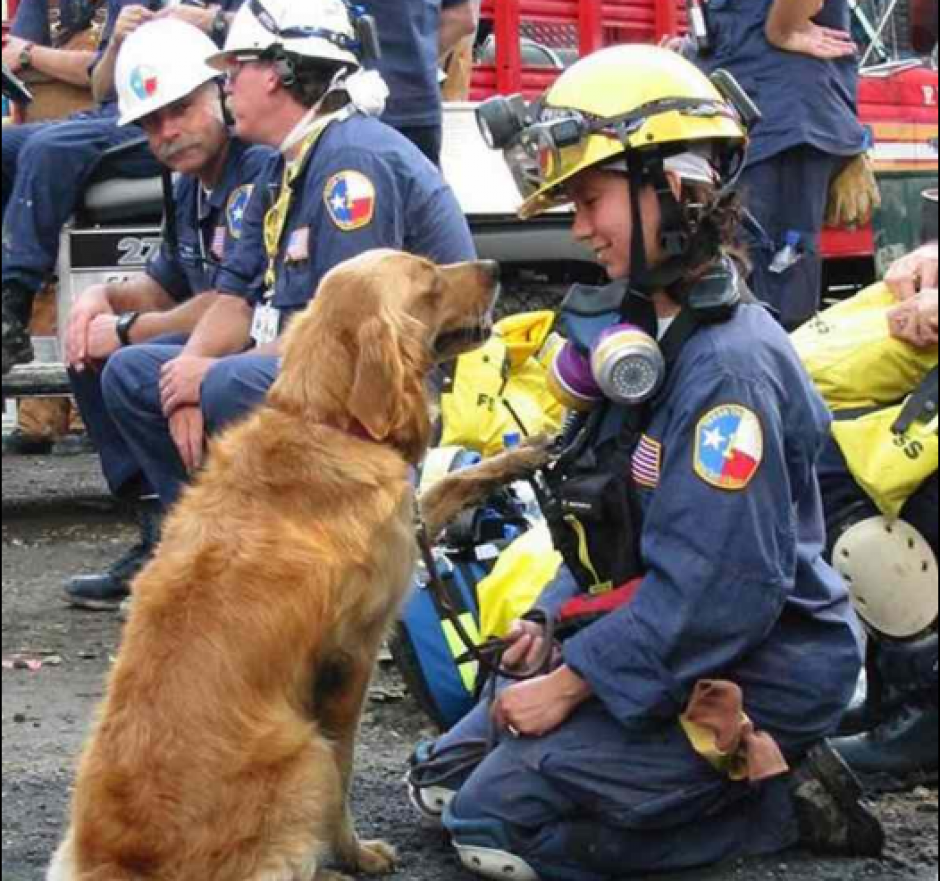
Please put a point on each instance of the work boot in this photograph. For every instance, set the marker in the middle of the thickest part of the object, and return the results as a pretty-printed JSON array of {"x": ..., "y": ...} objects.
[
  {"x": 832, "y": 819},
  {"x": 899, "y": 754},
  {"x": 21, "y": 444},
  {"x": 106, "y": 592},
  {"x": 17, "y": 344}
]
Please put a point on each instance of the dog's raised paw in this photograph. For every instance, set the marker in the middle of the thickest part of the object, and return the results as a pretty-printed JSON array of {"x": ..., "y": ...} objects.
[{"x": 377, "y": 858}]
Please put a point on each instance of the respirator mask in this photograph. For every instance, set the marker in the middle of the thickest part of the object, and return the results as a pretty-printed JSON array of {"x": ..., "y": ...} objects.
[{"x": 606, "y": 357}]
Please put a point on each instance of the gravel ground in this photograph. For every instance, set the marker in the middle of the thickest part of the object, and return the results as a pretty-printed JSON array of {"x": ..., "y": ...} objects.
[{"x": 56, "y": 522}]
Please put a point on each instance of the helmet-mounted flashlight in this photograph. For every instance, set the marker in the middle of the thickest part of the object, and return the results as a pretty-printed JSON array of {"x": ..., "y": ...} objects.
[{"x": 502, "y": 120}]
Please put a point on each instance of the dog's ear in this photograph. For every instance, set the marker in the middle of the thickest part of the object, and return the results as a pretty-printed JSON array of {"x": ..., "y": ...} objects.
[{"x": 378, "y": 391}]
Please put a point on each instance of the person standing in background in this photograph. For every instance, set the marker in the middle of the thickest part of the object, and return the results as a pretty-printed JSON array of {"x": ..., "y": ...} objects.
[
  {"x": 796, "y": 59},
  {"x": 415, "y": 35}
]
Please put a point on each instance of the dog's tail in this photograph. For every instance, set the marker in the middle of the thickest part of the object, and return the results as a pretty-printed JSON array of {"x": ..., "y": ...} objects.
[{"x": 449, "y": 498}]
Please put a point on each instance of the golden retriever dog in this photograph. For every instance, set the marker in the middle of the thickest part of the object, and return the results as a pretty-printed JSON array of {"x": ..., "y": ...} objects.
[{"x": 225, "y": 744}]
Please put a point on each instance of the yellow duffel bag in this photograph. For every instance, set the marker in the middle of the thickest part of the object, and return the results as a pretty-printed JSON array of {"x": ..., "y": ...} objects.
[
  {"x": 852, "y": 358},
  {"x": 520, "y": 577},
  {"x": 503, "y": 389},
  {"x": 890, "y": 467}
]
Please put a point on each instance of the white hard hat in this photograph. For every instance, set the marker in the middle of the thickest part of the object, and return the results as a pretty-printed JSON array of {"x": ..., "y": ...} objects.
[
  {"x": 159, "y": 64},
  {"x": 322, "y": 29}
]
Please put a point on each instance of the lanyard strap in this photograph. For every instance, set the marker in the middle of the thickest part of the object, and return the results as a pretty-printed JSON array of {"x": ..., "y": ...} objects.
[{"x": 275, "y": 222}]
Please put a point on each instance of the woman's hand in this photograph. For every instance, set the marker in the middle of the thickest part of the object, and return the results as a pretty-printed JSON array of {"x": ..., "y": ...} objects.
[
  {"x": 539, "y": 706},
  {"x": 527, "y": 647}
]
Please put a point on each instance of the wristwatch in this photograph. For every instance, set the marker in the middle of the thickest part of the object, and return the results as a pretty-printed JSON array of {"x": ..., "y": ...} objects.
[
  {"x": 219, "y": 30},
  {"x": 124, "y": 327},
  {"x": 26, "y": 56}
]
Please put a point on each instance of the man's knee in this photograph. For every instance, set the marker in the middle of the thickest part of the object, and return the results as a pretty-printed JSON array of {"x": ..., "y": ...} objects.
[
  {"x": 233, "y": 388},
  {"x": 127, "y": 374}
]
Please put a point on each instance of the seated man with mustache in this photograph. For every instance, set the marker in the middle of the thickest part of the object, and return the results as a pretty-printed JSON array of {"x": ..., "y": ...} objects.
[{"x": 166, "y": 87}]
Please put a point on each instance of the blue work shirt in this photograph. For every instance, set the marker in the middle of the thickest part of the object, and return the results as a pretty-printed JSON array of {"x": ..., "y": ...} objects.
[
  {"x": 365, "y": 187},
  {"x": 732, "y": 543},
  {"x": 209, "y": 225},
  {"x": 115, "y": 7},
  {"x": 410, "y": 34},
  {"x": 805, "y": 101}
]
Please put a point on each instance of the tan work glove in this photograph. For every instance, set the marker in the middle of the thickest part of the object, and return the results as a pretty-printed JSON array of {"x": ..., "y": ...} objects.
[{"x": 854, "y": 195}]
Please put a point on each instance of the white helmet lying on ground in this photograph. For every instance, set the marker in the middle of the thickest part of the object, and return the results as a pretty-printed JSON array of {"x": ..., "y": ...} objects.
[{"x": 161, "y": 63}]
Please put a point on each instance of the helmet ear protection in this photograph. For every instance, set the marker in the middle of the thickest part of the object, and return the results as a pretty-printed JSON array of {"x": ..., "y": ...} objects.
[{"x": 286, "y": 67}]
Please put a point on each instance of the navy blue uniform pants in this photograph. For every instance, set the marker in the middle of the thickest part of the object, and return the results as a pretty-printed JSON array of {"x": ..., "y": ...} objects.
[
  {"x": 789, "y": 194},
  {"x": 131, "y": 395},
  {"x": 46, "y": 167},
  {"x": 594, "y": 801}
]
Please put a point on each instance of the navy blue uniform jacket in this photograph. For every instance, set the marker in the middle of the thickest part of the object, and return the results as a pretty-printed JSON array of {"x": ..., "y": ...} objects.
[
  {"x": 732, "y": 541},
  {"x": 365, "y": 187}
]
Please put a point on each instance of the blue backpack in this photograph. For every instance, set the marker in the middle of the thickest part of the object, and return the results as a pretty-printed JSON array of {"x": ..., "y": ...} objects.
[{"x": 427, "y": 649}]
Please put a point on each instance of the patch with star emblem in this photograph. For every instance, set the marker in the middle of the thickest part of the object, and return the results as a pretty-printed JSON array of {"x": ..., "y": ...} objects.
[
  {"x": 729, "y": 447},
  {"x": 236, "y": 208},
  {"x": 350, "y": 198}
]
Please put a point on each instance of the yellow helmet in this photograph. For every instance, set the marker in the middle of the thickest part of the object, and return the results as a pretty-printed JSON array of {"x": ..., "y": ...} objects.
[{"x": 616, "y": 101}]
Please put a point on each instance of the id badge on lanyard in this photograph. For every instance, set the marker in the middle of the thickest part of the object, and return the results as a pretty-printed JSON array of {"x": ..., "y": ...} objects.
[{"x": 266, "y": 325}]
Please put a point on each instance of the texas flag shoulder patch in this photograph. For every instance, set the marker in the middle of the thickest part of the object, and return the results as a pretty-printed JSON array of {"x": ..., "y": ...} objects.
[
  {"x": 729, "y": 447},
  {"x": 351, "y": 198}
]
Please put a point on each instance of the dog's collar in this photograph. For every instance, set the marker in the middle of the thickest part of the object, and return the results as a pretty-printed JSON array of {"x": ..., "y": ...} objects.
[{"x": 355, "y": 429}]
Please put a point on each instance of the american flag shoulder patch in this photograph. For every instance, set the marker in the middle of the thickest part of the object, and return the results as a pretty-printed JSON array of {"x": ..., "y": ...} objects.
[
  {"x": 648, "y": 463},
  {"x": 219, "y": 240}
]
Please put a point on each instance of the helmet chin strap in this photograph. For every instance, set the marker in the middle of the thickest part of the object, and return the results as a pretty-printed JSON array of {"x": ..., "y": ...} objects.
[
  {"x": 687, "y": 246},
  {"x": 676, "y": 240}
]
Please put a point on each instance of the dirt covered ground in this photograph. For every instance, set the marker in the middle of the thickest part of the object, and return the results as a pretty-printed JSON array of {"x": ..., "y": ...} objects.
[{"x": 57, "y": 522}]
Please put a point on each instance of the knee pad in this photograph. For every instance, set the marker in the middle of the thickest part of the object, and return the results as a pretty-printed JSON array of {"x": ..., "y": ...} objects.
[
  {"x": 485, "y": 849},
  {"x": 497, "y": 865},
  {"x": 892, "y": 572}
]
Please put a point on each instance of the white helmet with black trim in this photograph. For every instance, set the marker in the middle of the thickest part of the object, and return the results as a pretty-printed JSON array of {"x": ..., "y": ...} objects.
[{"x": 324, "y": 30}]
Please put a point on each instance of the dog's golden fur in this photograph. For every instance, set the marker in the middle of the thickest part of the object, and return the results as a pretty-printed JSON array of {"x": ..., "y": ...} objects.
[{"x": 225, "y": 744}]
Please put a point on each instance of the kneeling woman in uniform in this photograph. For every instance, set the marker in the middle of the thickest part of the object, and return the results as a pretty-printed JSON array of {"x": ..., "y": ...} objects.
[{"x": 688, "y": 725}]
